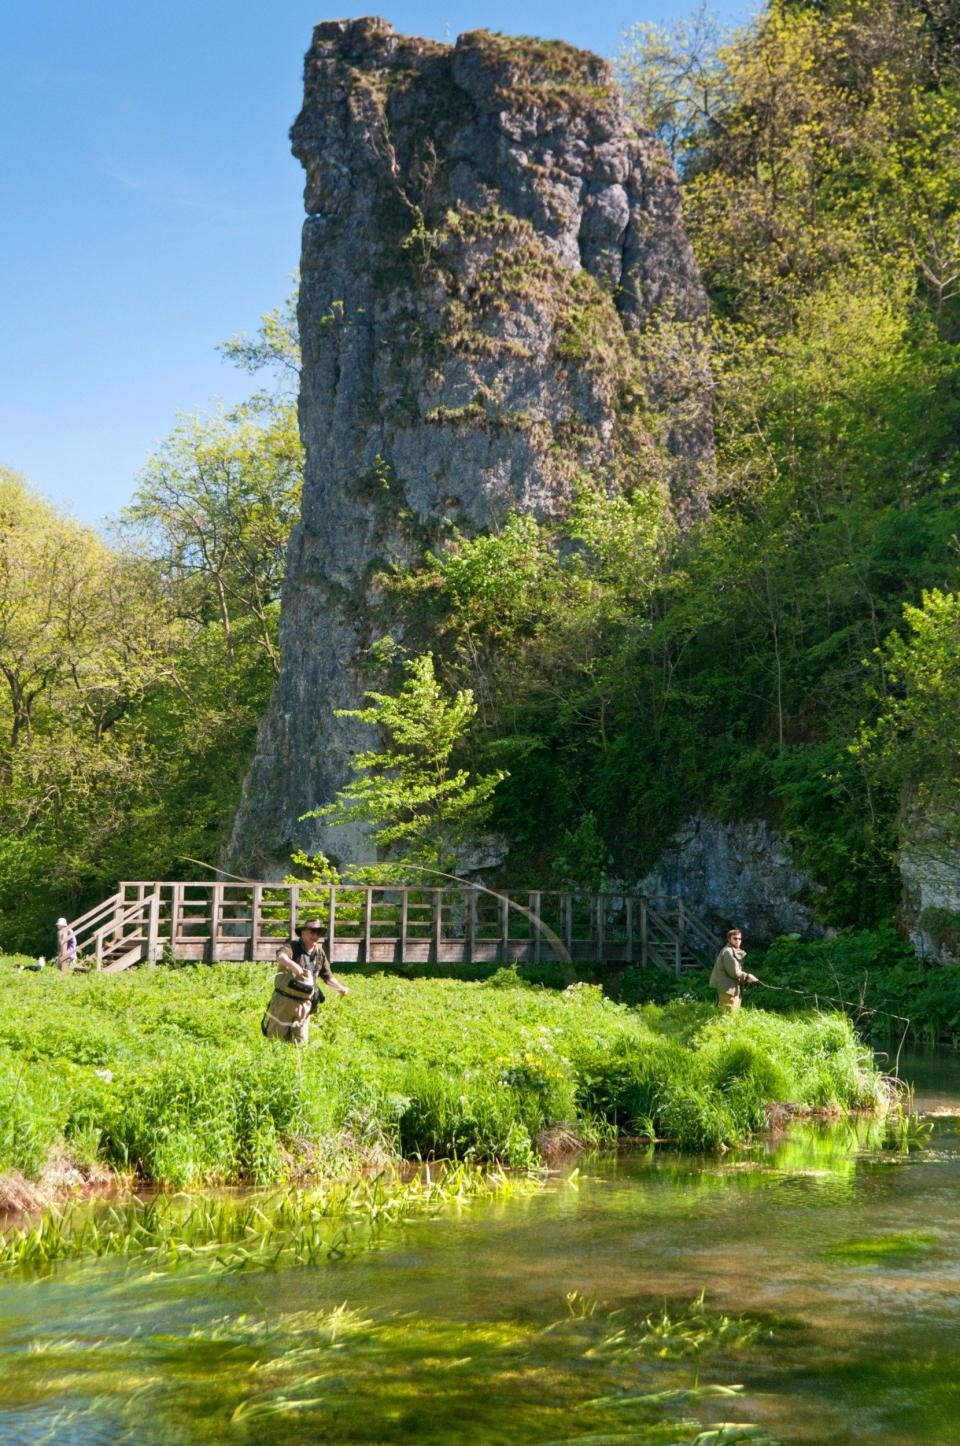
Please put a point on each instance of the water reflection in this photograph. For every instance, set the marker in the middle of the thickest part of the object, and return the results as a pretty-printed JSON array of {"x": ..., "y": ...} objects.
[{"x": 834, "y": 1260}]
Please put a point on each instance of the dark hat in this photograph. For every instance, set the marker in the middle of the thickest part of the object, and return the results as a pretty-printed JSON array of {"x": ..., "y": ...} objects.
[{"x": 310, "y": 924}]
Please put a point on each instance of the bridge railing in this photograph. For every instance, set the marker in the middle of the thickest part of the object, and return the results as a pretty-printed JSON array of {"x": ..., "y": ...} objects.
[{"x": 402, "y": 925}]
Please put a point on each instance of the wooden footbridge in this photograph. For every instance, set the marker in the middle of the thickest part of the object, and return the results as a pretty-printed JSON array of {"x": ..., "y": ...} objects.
[{"x": 145, "y": 921}]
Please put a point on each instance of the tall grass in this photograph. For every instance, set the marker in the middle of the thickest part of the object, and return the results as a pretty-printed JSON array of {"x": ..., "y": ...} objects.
[
  {"x": 165, "y": 1073},
  {"x": 298, "y": 1227}
]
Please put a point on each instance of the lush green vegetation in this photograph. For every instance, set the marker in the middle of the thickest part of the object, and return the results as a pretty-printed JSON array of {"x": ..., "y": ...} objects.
[
  {"x": 134, "y": 670},
  {"x": 872, "y": 974},
  {"x": 165, "y": 1074},
  {"x": 796, "y": 655}
]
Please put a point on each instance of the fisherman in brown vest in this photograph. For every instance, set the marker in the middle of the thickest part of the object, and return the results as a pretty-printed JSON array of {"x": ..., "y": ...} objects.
[
  {"x": 295, "y": 990},
  {"x": 728, "y": 978}
]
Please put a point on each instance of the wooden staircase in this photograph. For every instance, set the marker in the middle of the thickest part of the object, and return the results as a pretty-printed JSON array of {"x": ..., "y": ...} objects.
[
  {"x": 117, "y": 933},
  {"x": 393, "y": 926},
  {"x": 678, "y": 941}
]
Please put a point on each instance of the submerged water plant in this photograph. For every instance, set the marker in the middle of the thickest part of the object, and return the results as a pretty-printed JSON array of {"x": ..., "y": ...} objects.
[
  {"x": 876, "y": 1249},
  {"x": 342, "y": 1374}
]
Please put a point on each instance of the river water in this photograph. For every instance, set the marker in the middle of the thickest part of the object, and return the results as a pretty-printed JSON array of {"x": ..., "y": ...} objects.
[{"x": 540, "y": 1319}]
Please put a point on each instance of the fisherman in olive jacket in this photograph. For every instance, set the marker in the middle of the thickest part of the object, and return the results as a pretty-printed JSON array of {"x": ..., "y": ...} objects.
[
  {"x": 728, "y": 977},
  {"x": 295, "y": 990}
]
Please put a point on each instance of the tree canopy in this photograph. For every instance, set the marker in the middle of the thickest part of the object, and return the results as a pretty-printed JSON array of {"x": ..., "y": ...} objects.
[{"x": 134, "y": 670}]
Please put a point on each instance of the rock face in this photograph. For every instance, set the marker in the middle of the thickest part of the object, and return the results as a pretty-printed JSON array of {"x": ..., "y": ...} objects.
[
  {"x": 497, "y": 298},
  {"x": 736, "y": 874},
  {"x": 929, "y": 859}
]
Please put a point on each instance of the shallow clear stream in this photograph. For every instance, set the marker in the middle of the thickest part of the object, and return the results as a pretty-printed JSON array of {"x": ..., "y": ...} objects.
[{"x": 458, "y": 1328}]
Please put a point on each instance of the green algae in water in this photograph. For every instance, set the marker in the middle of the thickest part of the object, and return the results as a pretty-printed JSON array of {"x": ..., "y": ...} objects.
[
  {"x": 343, "y": 1375},
  {"x": 874, "y": 1249},
  {"x": 459, "y": 1331}
]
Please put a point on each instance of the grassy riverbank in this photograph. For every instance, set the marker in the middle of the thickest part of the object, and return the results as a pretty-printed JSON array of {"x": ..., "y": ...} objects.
[
  {"x": 873, "y": 973},
  {"x": 164, "y": 1074}
]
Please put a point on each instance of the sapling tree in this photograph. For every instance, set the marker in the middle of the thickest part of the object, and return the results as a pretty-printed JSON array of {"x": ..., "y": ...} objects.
[{"x": 412, "y": 794}]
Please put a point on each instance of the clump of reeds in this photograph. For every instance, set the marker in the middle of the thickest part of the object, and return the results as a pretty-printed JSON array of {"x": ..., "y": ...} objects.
[{"x": 296, "y": 1227}]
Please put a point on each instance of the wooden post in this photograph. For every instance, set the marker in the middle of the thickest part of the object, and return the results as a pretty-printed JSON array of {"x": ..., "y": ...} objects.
[
  {"x": 678, "y": 946},
  {"x": 436, "y": 929},
  {"x": 161, "y": 935},
  {"x": 153, "y": 928},
  {"x": 504, "y": 943},
  {"x": 98, "y": 952},
  {"x": 256, "y": 908},
  {"x": 471, "y": 925},
  {"x": 294, "y": 900},
  {"x": 141, "y": 895},
  {"x": 404, "y": 918},
  {"x": 568, "y": 924},
  {"x": 216, "y": 919},
  {"x": 629, "y": 904},
  {"x": 535, "y": 925},
  {"x": 600, "y": 923},
  {"x": 367, "y": 924},
  {"x": 176, "y": 913},
  {"x": 331, "y": 924},
  {"x": 643, "y": 933}
]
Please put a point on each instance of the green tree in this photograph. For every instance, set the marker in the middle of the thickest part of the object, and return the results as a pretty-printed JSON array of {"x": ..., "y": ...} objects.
[
  {"x": 918, "y": 730},
  {"x": 85, "y": 640},
  {"x": 410, "y": 792},
  {"x": 274, "y": 350},
  {"x": 214, "y": 507},
  {"x": 815, "y": 139},
  {"x": 133, "y": 673},
  {"x": 673, "y": 78}
]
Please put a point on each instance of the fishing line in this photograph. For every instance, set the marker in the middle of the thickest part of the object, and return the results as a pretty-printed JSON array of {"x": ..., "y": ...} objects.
[
  {"x": 535, "y": 919},
  {"x": 186, "y": 859},
  {"x": 848, "y": 1004}
]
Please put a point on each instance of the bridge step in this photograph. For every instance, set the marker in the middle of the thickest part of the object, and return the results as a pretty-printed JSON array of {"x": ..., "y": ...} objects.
[{"x": 123, "y": 961}]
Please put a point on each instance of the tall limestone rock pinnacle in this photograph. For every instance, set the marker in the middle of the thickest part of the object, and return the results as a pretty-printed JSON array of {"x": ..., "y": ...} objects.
[{"x": 497, "y": 298}]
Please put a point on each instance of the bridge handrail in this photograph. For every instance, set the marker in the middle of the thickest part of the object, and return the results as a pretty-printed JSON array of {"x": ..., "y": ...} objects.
[
  {"x": 453, "y": 886},
  {"x": 86, "y": 921},
  {"x": 699, "y": 931},
  {"x": 391, "y": 922},
  {"x": 150, "y": 903}
]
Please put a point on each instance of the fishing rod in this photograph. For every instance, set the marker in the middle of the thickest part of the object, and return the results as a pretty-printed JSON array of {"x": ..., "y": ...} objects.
[
  {"x": 535, "y": 919},
  {"x": 861, "y": 1011}
]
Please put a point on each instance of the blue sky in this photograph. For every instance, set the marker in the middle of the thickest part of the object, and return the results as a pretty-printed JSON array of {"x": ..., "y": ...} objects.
[{"x": 151, "y": 208}]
